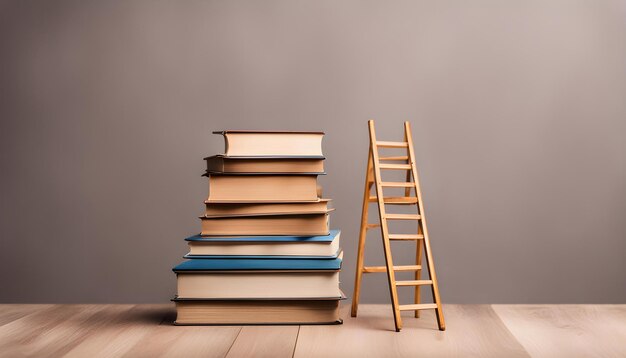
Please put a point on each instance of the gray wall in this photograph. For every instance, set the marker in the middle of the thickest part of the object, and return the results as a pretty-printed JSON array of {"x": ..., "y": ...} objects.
[{"x": 518, "y": 110}]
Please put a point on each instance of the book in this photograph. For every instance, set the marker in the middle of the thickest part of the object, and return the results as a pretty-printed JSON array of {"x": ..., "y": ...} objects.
[
  {"x": 262, "y": 188},
  {"x": 272, "y": 143},
  {"x": 295, "y": 224},
  {"x": 265, "y": 246},
  {"x": 232, "y": 209},
  {"x": 261, "y": 284},
  {"x": 224, "y": 164},
  {"x": 302, "y": 311},
  {"x": 258, "y": 278}
]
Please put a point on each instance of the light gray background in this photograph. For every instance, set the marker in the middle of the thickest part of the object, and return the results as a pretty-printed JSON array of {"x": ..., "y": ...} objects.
[{"x": 518, "y": 110}]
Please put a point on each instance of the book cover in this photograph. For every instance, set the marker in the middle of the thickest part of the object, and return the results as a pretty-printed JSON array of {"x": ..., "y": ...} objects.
[
  {"x": 272, "y": 143},
  {"x": 204, "y": 265}
]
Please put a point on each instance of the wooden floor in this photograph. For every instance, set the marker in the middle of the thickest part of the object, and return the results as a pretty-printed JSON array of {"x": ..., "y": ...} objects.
[{"x": 472, "y": 330}]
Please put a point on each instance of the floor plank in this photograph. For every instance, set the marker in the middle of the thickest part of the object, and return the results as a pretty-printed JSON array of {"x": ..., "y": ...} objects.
[
  {"x": 265, "y": 341},
  {"x": 567, "y": 330},
  {"x": 120, "y": 334},
  {"x": 167, "y": 340},
  {"x": 46, "y": 332},
  {"x": 472, "y": 330},
  {"x": 201, "y": 341},
  {"x": 11, "y": 312}
]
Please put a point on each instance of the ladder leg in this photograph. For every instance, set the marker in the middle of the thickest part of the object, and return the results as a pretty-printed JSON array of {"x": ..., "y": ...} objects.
[
  {"x": 434, "y": 286},
  {"x": 384, "y": 229},
  {"x": 392, "y": 282},
  {"x": 418, "y": 273},
  {"x": 362, "y": 235}
]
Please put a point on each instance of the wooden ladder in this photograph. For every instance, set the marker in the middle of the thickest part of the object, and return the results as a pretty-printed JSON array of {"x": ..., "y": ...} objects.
[{"x": 373, "y": 178}]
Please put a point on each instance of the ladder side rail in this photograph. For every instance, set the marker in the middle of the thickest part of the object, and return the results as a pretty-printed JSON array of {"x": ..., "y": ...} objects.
[
  {"x": 423, "y": 225},
  {"x": 417, "y": 294},
  {"x": 384, "y": 228}
]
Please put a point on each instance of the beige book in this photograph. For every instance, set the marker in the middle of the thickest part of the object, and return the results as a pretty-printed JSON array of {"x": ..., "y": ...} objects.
[
  {"x": 224, "y": 164},
  {"x": 272, "y": 143},
  {"x": 262, "y": 188},
  {"x": 264, "y": 248},
  {"x": 229, "y": 209},
  {"x": 257, "y": 312},
  {"x": 290, "y": 224},
  {"x": 259, "y": 284}
]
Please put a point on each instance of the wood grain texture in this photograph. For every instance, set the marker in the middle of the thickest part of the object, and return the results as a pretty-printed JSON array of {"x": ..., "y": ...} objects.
[
  {"x": 47, "y": 332},
  {"x": 11, "y": 312},
  {"x": 567, "y": 330},
  {"x": 124, "y": 330},
  {"x": 265, "y": 341},
  {"x": 472, "y": 331}
]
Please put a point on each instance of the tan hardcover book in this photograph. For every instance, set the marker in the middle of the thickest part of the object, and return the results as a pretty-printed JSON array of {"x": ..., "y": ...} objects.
[
  {"x": 231, "y": 209},
  {"x": 288, "y": 224},
  {"x": 257, "y": 246},
  {"x": 259, "y": 284},
  {"x": 272, "y": 143},
  {"x": 189, "y": 312},
  {"x": 262, "y": 188},
  {"x": 224, "y": 164}
]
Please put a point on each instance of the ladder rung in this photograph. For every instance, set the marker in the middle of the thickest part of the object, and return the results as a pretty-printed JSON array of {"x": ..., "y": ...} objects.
[
  {"x": 371, "y": 269},
  {"x": 405, "y": 237},
  {"x": 422, "y": 306},
  {"x": 395, "y": 166},
  {"x": 396, "y": 199},
  {"x": 414, "y": 283},
  {"x": 397, "y": 184},
  {"x": 372, "y": 226},
  {"x": 382, "y": 143},
  {"x": 403, "y": 216},
  {"x": 401, "y": 157}
]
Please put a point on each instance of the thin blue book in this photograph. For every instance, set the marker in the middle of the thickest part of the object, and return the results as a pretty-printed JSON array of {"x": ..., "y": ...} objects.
[
  {"x": 265, "y": 247},
  {"x": 204, "y": 265}
]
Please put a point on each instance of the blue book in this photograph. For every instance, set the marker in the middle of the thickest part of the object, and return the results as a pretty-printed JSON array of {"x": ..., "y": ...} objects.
[
  {"x": 265, "y": 247},
  {"x": 264, "y": 257},
  {"x": 203, "y": 265}
]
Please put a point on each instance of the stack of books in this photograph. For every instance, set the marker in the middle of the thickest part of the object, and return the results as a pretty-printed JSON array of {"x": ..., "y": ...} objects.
[{"x": 265, "y": 254}]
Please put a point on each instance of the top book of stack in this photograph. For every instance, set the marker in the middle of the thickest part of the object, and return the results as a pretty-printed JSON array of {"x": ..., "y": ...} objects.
[{"x": 241, "y": 143}]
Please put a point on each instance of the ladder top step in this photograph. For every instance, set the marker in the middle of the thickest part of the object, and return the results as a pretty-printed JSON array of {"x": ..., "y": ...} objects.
[
  {"x": 372, "y": 269},
  {"x": 396, "y": 166},
  {"x": 403, "y": 216},
  {"x": 397, "y": 184},
  {"x": 386, "y": 144},
  {"x": 422, "y": 306},
  {"x": 400, "y": 157},
  {"x": 405, "y": 237},
  {"x": 396, "y": 199},
  {"x": 372, "y": 226},
  {"x": 414, "y": 283}
]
